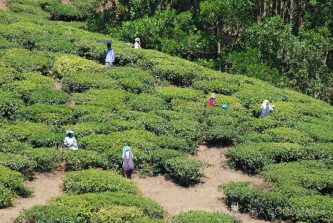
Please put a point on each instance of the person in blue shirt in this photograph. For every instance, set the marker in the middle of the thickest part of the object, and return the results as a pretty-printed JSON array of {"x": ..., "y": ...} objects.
[{"x": 110, "y": 56}]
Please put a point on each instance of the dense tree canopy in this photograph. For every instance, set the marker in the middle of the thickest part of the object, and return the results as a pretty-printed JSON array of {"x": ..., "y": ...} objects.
[{"x": 286, "y": 42}]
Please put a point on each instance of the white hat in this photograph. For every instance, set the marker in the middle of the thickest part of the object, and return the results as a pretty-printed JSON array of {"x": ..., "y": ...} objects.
[
  {"x": 213, "y": 95},
  {"x": 137, "y": 39},
  {"x": 69, "y": 132},
  {"x": 265, "y": 101}
]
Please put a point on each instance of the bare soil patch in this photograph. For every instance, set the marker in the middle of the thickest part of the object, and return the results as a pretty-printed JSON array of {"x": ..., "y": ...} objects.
[
  {"x": 205, "y": 196},
  {"x": 45, "y": 185}
]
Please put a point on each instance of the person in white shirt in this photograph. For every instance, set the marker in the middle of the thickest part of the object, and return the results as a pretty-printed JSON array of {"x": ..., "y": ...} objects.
[
  {"x": 110, "y": 56},
  {"x": 137, "y": 44},
  {"x": 70, "y": 140},
  {"x": 266, "y": 108}
]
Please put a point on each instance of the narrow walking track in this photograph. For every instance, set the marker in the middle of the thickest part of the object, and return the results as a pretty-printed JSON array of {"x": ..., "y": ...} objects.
[
  {"x": 45, "y": 186},
  {"x": 205, "y": 196}
]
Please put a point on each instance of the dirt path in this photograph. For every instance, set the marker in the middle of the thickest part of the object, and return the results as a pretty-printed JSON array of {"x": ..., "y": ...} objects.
[
  {"x": 46, "y": 185},
  {"x": 205, "y": 196},
  {"x": 4, "y": 4}
]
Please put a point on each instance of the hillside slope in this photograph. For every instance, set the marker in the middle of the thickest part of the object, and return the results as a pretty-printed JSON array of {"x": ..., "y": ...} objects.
[{"x": 51, "y": 80}]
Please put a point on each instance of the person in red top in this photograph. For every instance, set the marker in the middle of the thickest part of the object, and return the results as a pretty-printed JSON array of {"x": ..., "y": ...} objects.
[{"x": 212, "y": 100}]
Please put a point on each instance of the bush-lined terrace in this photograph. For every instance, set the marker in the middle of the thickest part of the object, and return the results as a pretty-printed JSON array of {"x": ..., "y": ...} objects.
[{"x": 156, "y": 104}]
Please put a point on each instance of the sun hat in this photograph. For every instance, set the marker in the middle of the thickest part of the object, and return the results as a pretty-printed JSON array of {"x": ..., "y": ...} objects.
[
  {"x": 213, "y": 95},
  {"x": 69, "y": 132}
]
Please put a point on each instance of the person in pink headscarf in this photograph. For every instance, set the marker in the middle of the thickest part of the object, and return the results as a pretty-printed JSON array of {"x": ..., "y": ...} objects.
[{"x": 212, "y": 100}]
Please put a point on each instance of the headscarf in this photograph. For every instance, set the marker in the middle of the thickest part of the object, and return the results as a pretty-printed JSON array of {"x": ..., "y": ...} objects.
[{"x": 69, "y": 132}]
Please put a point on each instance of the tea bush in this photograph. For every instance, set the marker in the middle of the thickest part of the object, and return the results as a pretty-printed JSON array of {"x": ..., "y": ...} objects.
[
  {"x": 169, "y": 93},
  {"x": 184, "y": 171},
  {"x": 14, "y": 147},
  {"x": 288, "y": 135},
  {"x": 83, "y": 81},
  {"x": 28, "y": 82},
  {"x": 67, "y": 64},
  {"x": 153, "y": 123},
  {"x": 263, "y": 204},
  {"x": 320, "y": 131},
  {"x": 146, "y": 103},
  {"x": 76, "y": 10},
  {"x": 36, "y": 134},
  {"x": 312, "y": 175},
  {"x": 158, "y": 158},
  {"x": 47, "y": 96},
  {"x": 49, "y": 114},
  {"x": 52, "y": 213},
  {"x": 6, "y": 197},
  {"x": 117, "y": 214},
  {"x": 113, "y": 100},
  {"x": 84, "y": 159},
  {"x": 252, "y": 157},
  {"x": 116, "y": 140},
  {"x": 203, "y": 216},
  {"x": 312, "y": 209},
  {"x": 46, "y": 158},
  {"x": 25, "y": 61},
  {"x": 178, "y": 72},
  {"x": 217, "y": 86},
  {"x": 96, "y": 201},
  {"x": 18, "y": 162},
  {"x": 9, "y": 105},
  {"x": 14, "y": 181},
  {"x": 93, "y": 181},
  {"x": 135, "y": 85}
]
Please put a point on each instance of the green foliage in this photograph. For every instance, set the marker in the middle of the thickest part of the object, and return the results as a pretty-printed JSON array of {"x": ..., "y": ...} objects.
[
  {"x": 288, "y": 135},
  {"x": 83, "y": 81},
  {"x": 249, "y": 63},
  {"x": 14, "y": 181},
  {"x": 46, "y": 158},
  {"x": 169, "y": 93},
  {"x": 203, "y": 216},
  {"x": 117, "y": 214},
  {"x": 14, "y": 147},
  {"x": 113, "y": 100},
  {"x": 25, "y": 61},
  {"x": 49, "y": 96},
  {"x": 166, "y": 31},
  {"x": 5, "y": 197},
  {"x": 51, "y": 213},
  {"x": 96, "y": 201},
  {"x": 9, "y": 105},
  {"x": 18, "y": 162},
  {"x": 311, "y": 175},
  {"x": 185, "y": 171},
  {"x": 312, "y": 209},
  {"x": 252, "y": 157},
  {"x": 263, "y": 204},
  {"x": 37, "y": 134},
  {"x": 217, "y": 86},
  {"x": 146, "y": 103},
  {"x": 50, "y": 114},
  {"x": 93, "y": 181},
  {"x": 66, "y": 64},
  {"x": 75, "y": 10},
  {"x": 116, "y": 140},
  {"x": 84, "y": 159}
]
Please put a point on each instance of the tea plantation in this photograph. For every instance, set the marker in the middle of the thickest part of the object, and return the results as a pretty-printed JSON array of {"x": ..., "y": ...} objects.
[{"x": 52, "y": 80}]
